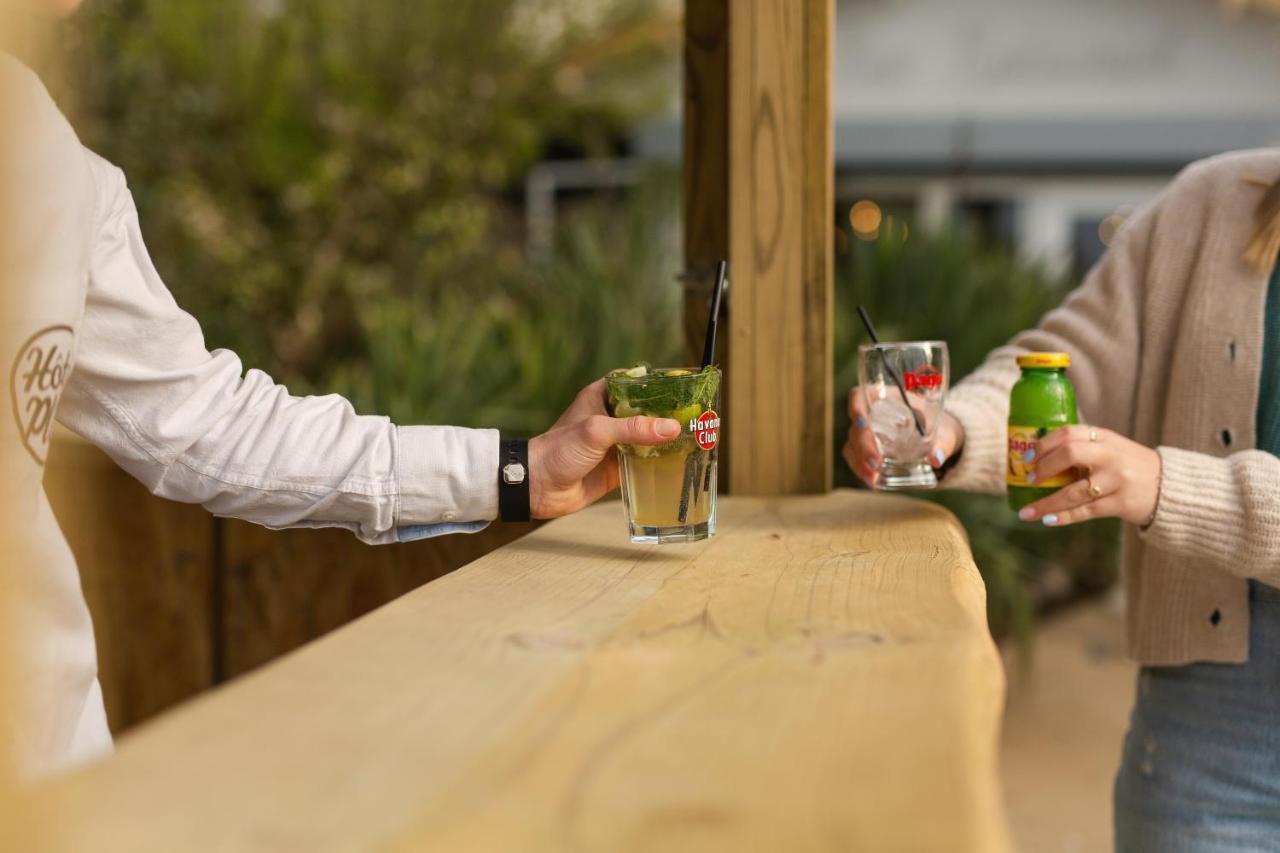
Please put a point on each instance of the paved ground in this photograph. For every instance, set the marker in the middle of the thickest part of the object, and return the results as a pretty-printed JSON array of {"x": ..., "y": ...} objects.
[{"x": 1067, "y": 712}]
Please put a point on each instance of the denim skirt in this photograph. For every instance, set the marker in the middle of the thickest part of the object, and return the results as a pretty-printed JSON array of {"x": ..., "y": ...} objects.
[{"x": 1201, "y": 765}]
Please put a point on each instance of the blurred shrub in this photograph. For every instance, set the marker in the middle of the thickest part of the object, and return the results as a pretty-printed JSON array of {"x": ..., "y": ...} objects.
[
  {"x": 328, "y": 185},
  {"x": 514, "y": 354},
  {"x": 952, "y": 287}
]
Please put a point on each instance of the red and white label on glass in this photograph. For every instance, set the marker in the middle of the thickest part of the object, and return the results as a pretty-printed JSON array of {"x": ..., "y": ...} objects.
[
  {"x": 706, "y": 429},
  {"x": 926, "y": 377}
]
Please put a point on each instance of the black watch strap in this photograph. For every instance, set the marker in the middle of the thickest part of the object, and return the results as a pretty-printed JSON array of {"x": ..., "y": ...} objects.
[{"x": 513, "y": 479}]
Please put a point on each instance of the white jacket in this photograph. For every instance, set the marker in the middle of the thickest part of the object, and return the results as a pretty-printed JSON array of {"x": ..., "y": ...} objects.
[{"x": 90, "y": 331}]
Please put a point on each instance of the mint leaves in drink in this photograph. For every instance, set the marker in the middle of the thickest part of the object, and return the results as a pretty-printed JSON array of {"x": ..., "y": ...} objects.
[{"x": 678, "y": 393}]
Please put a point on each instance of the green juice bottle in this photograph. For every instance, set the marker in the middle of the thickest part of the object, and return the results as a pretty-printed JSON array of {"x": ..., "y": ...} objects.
[{"x": 1041, "y": 401}]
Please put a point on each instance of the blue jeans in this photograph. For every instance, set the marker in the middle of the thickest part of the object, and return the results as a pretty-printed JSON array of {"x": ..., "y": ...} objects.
[{"x": 1201, "y": 765}]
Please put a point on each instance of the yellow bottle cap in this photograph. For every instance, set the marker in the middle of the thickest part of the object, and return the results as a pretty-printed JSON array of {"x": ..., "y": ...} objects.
[{"x": 1044, "y": 359}]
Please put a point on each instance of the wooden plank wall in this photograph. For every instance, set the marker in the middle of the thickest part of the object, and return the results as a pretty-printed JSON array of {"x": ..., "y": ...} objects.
[
  {"x": 758, "y": 98},
  {"x": 147, "y": 571},
  {"x": 182, "y": 601}
]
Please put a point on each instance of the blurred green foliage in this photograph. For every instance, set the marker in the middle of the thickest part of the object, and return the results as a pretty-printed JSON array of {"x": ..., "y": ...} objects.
[
  {"x": 953, "y": 287},
  {"x": 328, "y": 185}
]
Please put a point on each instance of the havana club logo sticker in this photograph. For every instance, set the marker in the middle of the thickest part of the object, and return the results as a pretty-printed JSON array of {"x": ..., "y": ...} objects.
[{"x": 706, "y": 429}]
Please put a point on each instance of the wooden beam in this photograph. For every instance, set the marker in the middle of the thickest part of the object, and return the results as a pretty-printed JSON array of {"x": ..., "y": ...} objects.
[
  {"x": 758, "y": 97},
  {"x": 705, "y": 193}
]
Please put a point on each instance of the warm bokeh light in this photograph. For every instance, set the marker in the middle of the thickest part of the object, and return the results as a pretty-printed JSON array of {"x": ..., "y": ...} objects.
[{"x": 865, "y": 217}]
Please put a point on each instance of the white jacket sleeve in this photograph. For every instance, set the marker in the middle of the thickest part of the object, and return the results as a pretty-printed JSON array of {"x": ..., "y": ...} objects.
[{"x": 194, "y": 427}]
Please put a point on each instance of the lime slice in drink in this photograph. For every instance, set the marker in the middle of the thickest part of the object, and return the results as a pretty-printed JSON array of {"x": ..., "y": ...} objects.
[
  {"x": 686, "y": 414},
  {"x": 623, "y": 409}
]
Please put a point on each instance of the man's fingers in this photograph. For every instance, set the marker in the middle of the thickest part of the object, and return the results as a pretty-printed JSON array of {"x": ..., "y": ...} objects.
[
  {"x": 602, "y": 432},
  {"x": 590, "y": 401}
]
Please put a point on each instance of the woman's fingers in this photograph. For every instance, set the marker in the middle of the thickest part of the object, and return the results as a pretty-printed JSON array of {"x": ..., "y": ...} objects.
[
  {"x": 1125, "y": 475},
  {"x": 1070, "y": 434},
  {"x": 857, "y": 403},
  {"x": 1101, "y": 508},
  {"x": 1062, "y": 457},
  {"x": 863, "y": 456},
  {"x": 950, "y": 436},
  {"x": 865, "y": 469},
  {"x": 1064, "y": 499}
]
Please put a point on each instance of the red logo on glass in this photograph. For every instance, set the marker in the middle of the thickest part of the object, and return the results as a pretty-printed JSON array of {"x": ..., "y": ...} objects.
[
  {"x": 927, "y": 378},
  {"x": 706, "y": 429}
]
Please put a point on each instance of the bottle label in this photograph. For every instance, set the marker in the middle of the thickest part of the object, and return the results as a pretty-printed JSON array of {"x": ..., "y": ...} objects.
[{"x": 1022, "y": 442}]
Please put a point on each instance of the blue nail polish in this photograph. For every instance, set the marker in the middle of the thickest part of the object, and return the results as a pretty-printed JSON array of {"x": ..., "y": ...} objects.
[
  {"x": 938, "y": 457},
  {"x": 1031, "y": 476},
  {"x": 875, "y": 464},
  {"x": 1029, "y": 456},
  {"x": 860, "y": 423},
  {"x": 1050, "y": 520}
]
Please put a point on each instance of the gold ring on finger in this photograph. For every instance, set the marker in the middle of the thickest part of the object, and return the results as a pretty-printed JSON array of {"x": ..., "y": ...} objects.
[
  {"x": 1094, "y": 491},
  {"x": 1093, "y": 433}
]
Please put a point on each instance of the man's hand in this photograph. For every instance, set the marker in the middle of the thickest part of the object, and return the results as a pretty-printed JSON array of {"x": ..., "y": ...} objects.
[
  {"x": 574, "y": 463},
  {"x": 862, "y": 455}
]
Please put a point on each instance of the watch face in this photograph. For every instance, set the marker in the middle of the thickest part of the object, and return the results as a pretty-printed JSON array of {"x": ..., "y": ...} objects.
[{"x": 513, "y": 473}]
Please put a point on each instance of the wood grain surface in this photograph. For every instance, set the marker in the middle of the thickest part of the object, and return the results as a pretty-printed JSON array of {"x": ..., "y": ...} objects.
[
  {"x": 817, "y": 677},
  {"x": 284, "y": 588}
]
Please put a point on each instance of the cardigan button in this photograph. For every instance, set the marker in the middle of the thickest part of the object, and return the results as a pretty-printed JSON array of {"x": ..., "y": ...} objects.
[
  {"x": 449, "y": 516},
  {"x": 1227, "y": 438},
  {"x": 1215, "y": 617}
]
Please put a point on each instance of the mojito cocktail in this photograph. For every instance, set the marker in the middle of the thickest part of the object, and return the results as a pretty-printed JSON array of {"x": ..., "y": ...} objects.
[{"x": 669, "y": 491}]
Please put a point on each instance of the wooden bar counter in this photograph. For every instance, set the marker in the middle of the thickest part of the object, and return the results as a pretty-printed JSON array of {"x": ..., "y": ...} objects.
[{"x": 817, "y": 677}]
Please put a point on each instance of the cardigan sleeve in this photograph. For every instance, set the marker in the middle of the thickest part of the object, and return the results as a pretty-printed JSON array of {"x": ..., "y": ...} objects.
[
  {"x": 1098, "y": 324},
  {"x": 1222, "y": 510}
]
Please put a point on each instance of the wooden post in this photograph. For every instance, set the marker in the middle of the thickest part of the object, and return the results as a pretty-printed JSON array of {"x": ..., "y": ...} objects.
[{"x": 758, "y": 178}]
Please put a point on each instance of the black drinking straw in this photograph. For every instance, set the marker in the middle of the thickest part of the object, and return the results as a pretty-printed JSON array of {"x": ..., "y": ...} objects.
[
  {"x": 875, "y": 339},
  {"x": 695, "y": 463},
  {"x": 713, "y": 319}
]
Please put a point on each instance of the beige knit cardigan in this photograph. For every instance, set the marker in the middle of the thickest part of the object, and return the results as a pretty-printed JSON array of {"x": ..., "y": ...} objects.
[{"x": 1165, "y": 337}]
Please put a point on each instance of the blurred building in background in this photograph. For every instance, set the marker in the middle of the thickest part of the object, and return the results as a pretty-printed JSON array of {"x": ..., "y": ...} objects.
[{"x": 1039, "y": 123}]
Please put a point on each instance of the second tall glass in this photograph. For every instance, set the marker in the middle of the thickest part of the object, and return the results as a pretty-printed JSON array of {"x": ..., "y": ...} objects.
[{"x": 905, "y": 385}]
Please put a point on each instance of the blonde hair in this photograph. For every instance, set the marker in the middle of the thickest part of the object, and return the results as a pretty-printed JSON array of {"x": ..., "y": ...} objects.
[{"x": 1264, "y": 246}]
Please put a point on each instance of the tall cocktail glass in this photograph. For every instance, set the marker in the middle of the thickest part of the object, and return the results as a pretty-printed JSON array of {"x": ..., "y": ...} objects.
[
  {"x": 905, "y": 386},
  {"x": 669, "y": 491}
]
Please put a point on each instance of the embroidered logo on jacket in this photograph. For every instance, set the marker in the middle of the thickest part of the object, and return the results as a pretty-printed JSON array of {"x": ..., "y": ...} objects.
[{"x": 35, "y": 385}]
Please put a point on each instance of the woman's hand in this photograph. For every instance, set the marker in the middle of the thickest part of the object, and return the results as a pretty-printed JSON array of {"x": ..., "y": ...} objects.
[
  {"x": 1124, "y": 477},
  {"x": 862, "y": 455}
]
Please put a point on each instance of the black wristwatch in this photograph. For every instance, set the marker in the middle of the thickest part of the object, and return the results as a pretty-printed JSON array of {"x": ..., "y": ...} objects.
[{"x": 513, "y": 479}]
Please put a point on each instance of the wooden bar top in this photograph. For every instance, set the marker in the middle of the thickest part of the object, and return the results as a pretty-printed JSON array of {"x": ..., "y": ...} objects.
[{"x": 817, "y": 677}]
